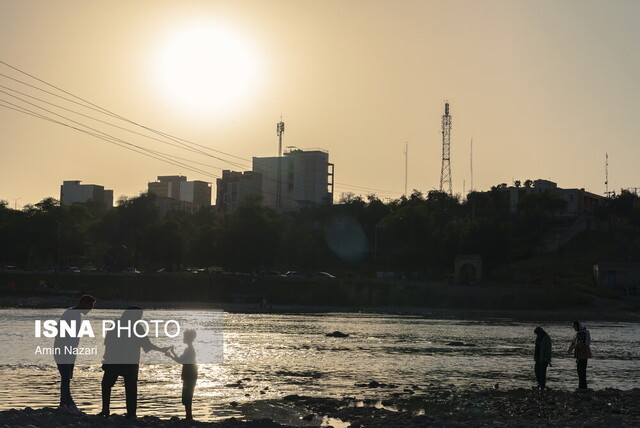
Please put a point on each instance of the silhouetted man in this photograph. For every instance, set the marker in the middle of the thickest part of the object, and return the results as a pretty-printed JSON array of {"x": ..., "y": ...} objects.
[
  {"x": 122, "y": 358},
  {"x": 64, "y": 354},
  {"x": 542, "y": 356}
]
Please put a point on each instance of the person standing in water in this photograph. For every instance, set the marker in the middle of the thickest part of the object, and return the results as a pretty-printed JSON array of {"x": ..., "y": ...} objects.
[
  {"x": 66, "y": 360},
  {"x": 189, "y": 371},
  {"x": 542, "y": 356},
  {"x": 122, "y": 358},
  {"x": 581, "y": 348}
]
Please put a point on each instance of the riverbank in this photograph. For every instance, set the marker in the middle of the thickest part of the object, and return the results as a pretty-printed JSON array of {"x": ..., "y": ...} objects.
[
  {"x": 359, "y": 293},
  {"x": 482, "y": 408},
  {"x": 608, "y": 311}
]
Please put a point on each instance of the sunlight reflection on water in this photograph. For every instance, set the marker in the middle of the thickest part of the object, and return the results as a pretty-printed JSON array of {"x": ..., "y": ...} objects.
[{"x": 269, "y": 356}]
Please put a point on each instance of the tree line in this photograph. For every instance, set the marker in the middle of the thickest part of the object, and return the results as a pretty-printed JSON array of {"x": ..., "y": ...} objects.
[{"x": 419, "y": 233}]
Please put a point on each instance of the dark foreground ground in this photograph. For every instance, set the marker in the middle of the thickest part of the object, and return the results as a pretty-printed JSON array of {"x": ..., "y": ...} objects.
[{"x": 609, "y": 407}]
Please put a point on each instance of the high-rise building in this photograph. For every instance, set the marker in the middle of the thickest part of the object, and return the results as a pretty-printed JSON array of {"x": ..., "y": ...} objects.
[
  {"x": 306, "y": 177},
  {"x": 72, "y": 192},
  {"x": 235, "y": 187}
]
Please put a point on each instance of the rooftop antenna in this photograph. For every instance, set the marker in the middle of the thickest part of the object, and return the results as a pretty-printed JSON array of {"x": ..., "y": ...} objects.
[
  {"x": 445, "y": 172},
  {"x": 279, "y": 132},
  {"x": 406, "y": 165}
]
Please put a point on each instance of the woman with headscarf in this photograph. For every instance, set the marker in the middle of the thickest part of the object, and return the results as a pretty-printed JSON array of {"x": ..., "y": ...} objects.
[{"x": 581, "y": 347}]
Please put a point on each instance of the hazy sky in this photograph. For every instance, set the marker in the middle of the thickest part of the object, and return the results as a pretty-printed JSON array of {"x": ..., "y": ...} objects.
[{"x": 545, "y": 88}]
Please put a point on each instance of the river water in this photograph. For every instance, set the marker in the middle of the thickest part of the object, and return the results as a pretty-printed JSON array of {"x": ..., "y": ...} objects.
[{"x": 269, "y": 356}]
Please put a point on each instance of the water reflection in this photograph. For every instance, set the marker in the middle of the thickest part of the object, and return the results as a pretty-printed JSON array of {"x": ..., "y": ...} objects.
[{"x": 267, "y": 357}]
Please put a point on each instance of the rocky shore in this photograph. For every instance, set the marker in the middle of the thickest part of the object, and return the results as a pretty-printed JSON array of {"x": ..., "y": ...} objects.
[{"x": 481, "y": 408}]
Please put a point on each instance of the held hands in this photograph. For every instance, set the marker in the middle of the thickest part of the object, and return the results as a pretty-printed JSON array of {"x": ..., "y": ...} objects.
[{"x": 169, "y": 352}]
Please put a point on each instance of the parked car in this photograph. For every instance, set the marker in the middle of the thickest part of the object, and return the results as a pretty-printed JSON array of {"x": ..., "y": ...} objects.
[
  {"x": 131, "y": 270},
  {"x": 294, "y": 274},
  {"x": 272, "y": 274},
  {"x": 73, "y": 269},
  {"x": 195, "y": 270},
  {"x": 323, "y": 275}
]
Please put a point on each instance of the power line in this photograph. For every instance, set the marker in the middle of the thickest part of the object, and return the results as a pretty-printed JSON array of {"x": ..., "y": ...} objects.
[
  {"x": 181, "y": 144},
  {"x": 185, "y": 144},
  {"x": 106, "y": 137},
  {"x": 106, "y": 111},
  {"x": 104, "y": 122}
]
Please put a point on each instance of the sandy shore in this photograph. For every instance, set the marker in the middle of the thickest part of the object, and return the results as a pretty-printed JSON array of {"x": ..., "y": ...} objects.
[{"x": 482, "y": 408}]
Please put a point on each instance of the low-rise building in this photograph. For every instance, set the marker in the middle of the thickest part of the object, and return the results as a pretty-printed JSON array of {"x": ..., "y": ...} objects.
[
  {"x": 72, "y": 192},
  {"x": 578, "y": 201},
  {"x": 623, "y": 277},
  {"x": 174, "y": 192},
  {"x": 235, "y": 187}
]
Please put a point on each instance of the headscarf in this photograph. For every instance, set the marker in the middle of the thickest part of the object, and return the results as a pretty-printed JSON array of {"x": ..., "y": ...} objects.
[{"x": 583, "y": 334}]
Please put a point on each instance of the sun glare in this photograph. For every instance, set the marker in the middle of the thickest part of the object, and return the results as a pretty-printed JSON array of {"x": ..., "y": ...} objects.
[{"x": 206, "y": 69}]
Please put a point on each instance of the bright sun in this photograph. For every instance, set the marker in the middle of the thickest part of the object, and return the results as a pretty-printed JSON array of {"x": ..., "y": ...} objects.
[{"x": 204, "y": 69}]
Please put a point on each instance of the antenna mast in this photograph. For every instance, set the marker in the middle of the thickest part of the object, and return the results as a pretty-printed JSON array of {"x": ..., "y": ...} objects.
[
  {"x": 445, "y": 172},
  {"x": 279, "y": 131},
  {"x": 406, "y": 165},
  {"x": 471, "y": 165}
]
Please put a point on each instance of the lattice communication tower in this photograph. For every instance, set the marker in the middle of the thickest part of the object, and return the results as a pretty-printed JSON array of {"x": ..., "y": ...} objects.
[{"x": 445, "y": 172}]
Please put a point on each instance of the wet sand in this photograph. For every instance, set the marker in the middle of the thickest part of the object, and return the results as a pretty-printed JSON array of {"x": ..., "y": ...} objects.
[{"x": 483, "y": 408}]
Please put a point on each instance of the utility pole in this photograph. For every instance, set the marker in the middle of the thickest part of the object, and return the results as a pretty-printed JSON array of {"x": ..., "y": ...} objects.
[
  {"x": 406, "y": 165},
  {"x": 279, "y": 131},
  {"x": 445, "y": 172},
  {"x": 606, "y": 174}
]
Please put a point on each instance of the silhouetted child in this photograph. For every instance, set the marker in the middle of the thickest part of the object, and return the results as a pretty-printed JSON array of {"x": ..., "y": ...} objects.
[{"x": 189, "y": 370}]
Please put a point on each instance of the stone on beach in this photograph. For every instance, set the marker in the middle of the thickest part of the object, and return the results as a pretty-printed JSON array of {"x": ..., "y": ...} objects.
[{"x": 337, "y": 334}]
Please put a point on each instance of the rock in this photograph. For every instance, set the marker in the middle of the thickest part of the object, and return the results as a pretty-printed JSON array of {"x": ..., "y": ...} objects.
[
  {"x": 374, "y": 384},
  {"x": 460, "y": 344},
  {"x": 292, "y": 397},
  {"x": 309, "y": 417},
  {"x": 234, "y": 404},
  {"x": 337, "y": 334},
  {"x": 238, "y": 384}
]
